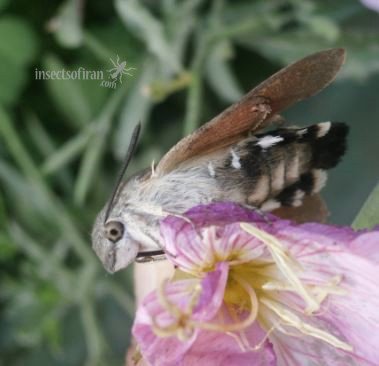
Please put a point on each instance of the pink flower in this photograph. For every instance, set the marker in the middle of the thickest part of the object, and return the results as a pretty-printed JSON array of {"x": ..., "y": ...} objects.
[
  {"x": 371, "y": 4},
  {"x": 251, "y": 292}
]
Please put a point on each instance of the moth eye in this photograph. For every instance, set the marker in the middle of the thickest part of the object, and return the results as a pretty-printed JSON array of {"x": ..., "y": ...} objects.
[{"x": 114, "y": 230}]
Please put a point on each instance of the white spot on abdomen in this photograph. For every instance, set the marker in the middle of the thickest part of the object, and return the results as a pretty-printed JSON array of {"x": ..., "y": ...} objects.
[
  {"x": 319, "y": 180},
  {"x": 235, "y": 160},
  {"x": 302, "y": 132},
  {"x": 268, "y": 141},
  {"x": 323, "y": 129}
]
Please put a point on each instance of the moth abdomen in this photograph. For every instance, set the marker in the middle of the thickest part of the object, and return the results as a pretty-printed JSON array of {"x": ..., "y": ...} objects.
[
  {"x": 293, "y": 195},
  {"x": 281, "y": 167},
  {"x": 329, "y": 148}
]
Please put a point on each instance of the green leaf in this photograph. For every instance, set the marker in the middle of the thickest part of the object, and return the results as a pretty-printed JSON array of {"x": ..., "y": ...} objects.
[
  {"x": 7, "y": 248},
  {"x": 12, "y": 80},
  {"x": 67, "y": 94},
  {"x": 324, "y": 27},
  {"x": 45, "y": 145},
  {"x": 3, "y": 4},
  {"x": 179, "y": 23},
  {"x": 95, "y": 149},
  {"x": 136, "y": 108},
  {"x": 18, "y": 41},
  {"x": 219, "y": 73},
  {"x": 68, "y": 152},
  {"x": 18, "y": 47},
  {"x": 362, "y": 50},
  {"x": 108, "y": 41},
  {"x": 67, "y": 25},
  {"x": 368, "y": 216},
  {"x": 146, "y": 27},
  {"x": 362, "y": 57},
  {"x": 40, "y": 191}
]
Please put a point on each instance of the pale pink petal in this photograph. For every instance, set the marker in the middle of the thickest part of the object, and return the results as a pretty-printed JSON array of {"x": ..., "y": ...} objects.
[
  {"x": 223, "y": 213},
  {"x": 220, "y": 349},
  {"x": 300, "y": 349},
  {"x": 158, "y": 350},
  {"x": 169, "y": 350},
  {"x": 371, "y": 4},
  {"x": 189, "y": 247},
  {"x": 354, "y": 315},
  {"x": 367, "y": 245},
  {"x": 235, "y": 240},
  {"x": 337, "y": 233},
  {"x": 304, "y": 350},
  {"x": 297, "y": 348},
  {"x": 182, "y": 243},
  {"x": 212, "y": 295},
  {"x": 326, "y": 254}
]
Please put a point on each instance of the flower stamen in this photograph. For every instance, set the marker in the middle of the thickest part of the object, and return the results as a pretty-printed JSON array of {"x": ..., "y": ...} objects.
[
  {"x": 182, "y": 326},
  {"x": 239, "y": 325},
  {"x": 285, "y": 263},
  {"x": 289, "y": 318},
  {"x": 163, "y": 299}
]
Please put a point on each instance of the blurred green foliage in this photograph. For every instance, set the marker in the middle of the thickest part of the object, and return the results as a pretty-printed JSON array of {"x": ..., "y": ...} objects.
[{"x": 62, "y": 140}]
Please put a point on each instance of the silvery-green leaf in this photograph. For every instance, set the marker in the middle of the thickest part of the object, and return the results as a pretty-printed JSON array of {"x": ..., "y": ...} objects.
[
  {"x": 145, "y": 26},
  {"x": 67, "y": 95},
  {"x": 67, "y": 24},
  {"x": 220, "y": 75},
  {"x": 368, "y": 216},
  {"x": 136, "y": 107}
]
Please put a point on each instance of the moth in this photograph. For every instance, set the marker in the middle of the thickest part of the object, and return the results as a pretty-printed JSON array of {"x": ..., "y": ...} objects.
[{"x": 228, "y": 160}]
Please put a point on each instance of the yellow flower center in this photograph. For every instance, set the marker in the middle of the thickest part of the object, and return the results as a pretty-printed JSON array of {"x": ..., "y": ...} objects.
[{"x": 254, "y": 292}]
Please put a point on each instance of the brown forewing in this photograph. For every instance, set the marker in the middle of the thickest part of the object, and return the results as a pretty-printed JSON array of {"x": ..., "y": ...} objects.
[{"x": 254, "y": 111}]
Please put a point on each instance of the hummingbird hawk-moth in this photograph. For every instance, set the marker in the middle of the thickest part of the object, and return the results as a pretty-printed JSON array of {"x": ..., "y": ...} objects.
[{"x": 227, "y": 160}]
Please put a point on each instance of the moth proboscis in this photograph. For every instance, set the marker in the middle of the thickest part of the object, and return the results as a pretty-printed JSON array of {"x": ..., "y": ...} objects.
[{"x": 228, "y": 160}]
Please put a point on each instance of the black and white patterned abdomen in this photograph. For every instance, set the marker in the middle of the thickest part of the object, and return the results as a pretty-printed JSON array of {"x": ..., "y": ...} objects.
[{"x": 280, "y": 167}]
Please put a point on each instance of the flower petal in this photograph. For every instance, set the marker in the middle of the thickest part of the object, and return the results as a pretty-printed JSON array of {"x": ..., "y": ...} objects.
[
  {"x": 371, "y": 4},
  {"x": 193, "y": 249},
  {"x": 223, "y": 213},
  {"x": 220, "y": 349},
  {"x": 169, "y": 349},
  {"x": 353, "y": 315},
  {"x": 367, "y": 245},
  {"x": 337, "y": 267}
]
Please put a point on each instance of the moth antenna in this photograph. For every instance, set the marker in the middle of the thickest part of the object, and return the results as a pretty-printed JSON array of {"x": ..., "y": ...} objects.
[
  {"x": 150, "y": 256},
  {"x": 128, "y": 157}
]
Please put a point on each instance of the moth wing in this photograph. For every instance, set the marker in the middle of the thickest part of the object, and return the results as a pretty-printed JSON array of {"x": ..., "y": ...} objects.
[
  {"x": 256, "y": 109},
  {"x": 313, "y": 209}
]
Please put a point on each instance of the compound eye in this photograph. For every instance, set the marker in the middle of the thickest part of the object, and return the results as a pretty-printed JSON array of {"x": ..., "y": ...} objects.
[{"x": 114, "y": 230}]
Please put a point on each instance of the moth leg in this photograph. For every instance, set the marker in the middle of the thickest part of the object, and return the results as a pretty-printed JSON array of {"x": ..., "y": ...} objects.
[
  {"x": 259, "y": 211},
  {"x": 168, "y": 213},
  {"x": 277, "y": 120},
  {"x": 159, "y": 211},
  {"x": 262, "y": 108}
]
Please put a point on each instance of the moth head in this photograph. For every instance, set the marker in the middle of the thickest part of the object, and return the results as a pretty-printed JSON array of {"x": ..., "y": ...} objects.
[
  {"x": 110, "y": 238},
  {"x": 112, "y": 243}
]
